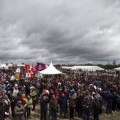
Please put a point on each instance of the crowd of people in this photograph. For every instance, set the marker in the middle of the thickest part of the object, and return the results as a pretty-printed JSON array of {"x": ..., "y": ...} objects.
[{"x": 70, "y": 94}]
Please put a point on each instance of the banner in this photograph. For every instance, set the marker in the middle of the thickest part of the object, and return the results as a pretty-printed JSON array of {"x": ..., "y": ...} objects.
[
  {"x": 28, "y": 75},
  {"x": 27, "y": 68},
  {"x": 40, "y": 66}
]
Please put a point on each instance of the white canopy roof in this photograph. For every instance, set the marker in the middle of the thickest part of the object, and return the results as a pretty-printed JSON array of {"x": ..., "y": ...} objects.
[
  {"x": 88, "y": 68},
  {"x": 50, "y": 70},
  {"x": 117, "y": 69},
  {"x": 3, "y": 66}
]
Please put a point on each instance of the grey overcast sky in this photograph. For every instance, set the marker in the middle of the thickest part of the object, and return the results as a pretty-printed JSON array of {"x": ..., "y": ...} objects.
[{"x": 62, "y": 31}]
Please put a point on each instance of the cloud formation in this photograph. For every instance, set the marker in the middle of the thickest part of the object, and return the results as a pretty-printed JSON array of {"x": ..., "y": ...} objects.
[{"x": 62, "y": 31}]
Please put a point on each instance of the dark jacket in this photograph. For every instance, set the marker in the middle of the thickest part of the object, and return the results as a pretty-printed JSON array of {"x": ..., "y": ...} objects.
[
  {"x": 63, "y": 101},
  {"x": 53, "y": 103},
  {"x": 2, "y": 112},
  {"x": 44, "y": 102}
]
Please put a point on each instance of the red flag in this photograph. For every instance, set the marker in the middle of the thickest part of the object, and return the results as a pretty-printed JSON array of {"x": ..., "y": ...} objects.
[{"x": 27, "y": 68}]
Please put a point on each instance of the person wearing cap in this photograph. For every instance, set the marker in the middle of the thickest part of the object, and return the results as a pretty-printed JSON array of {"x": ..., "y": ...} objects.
[
  {"x": 19, "y": 111},
  {"x": 72, "y": 102}
]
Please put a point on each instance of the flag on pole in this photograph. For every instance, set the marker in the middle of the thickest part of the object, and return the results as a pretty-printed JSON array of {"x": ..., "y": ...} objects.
[{"x": 40, "y": 66}]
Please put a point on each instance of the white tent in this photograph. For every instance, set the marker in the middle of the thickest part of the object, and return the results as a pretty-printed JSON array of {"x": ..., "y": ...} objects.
[
  {"x": 88, "y": 68},
  {"x": 50, "y": 70},
  {"x": 117, "y": 69},
  {"x": 3, "y": 66},
  {"x": 18, "y": 70}
]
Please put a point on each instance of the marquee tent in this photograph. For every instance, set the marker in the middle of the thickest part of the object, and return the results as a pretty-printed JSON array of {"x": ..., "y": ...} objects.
[
  {"x": 88, "y": 68},
  {"x": 3, "y": 66},
  {"x": 117, "y": 69},
  {"x": 50, "y": 70}
]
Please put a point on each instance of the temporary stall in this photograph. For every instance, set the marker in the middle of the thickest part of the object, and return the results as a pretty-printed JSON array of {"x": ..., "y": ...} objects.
[
  {"x": 50, "y": 70},
  {"x": 117, "y": 69},
  {"x": 3, "y": 66},
  {"x": 88, "y": 68}
]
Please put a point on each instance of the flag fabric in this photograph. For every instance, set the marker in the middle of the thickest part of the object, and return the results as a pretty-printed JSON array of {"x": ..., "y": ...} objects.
[
  {"x": 28, "y": 75},
  {"x": 30, "y": 70},
  {"x": 27, "y": 68},
  {"x": 40, "y": 66}
]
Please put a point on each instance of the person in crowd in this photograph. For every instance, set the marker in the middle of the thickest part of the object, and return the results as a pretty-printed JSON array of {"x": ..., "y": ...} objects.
[
  {"x": 15, "y": 90},
  {"x": 2, "y": 110},
  {"x": 6, "y": 105},
  {"x": 30, "y": 105},
  {"x": 79, "y": 104},
  {"x": 85, "y": 108},
  {"x": 72, "y": 102},
  {"x": 33, "y": 94},
  {"x": 114, "y": 102},
  {"x": 63, "y": 102},
  {"x": 44, "y": 100},
  {"x": 53, "y": 107},
  {"x": 24, "y": 101},
  {"x": 109, "y": 103},
  {"x": 19, "y": 111},
  {"x": 96, "y": 108}
]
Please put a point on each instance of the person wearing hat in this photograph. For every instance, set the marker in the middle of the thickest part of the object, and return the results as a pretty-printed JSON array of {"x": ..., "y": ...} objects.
[
  {"x": 72, "y": 102},
  {"x": 19, "y": 111}
]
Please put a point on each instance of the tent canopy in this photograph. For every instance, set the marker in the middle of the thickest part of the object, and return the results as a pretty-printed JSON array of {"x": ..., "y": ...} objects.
[
  {"x": 3, "y": 66},
  {"x": 88, "y": 68},
  {"x": 50, "y": 70},
  {"x": 117, "y": 69}
]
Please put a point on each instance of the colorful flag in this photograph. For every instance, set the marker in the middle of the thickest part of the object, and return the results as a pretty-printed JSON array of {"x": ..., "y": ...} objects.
[
  {"x": 40, "y": 66},
  {"x": 27, "y": 68}
]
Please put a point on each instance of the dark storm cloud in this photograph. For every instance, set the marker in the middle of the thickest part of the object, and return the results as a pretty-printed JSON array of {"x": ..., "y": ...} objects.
[{"x": 60, "y": 31}]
